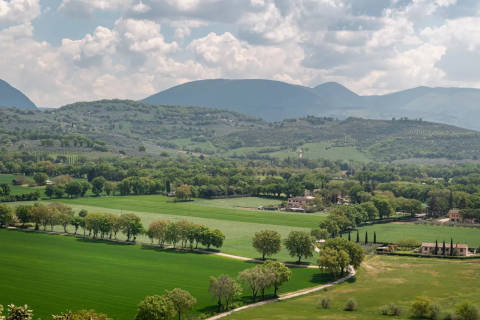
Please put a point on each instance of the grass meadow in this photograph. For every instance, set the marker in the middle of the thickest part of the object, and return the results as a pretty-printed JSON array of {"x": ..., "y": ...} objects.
[
  {"x": 53, "y": 273},
  {"x": 382, "y": 280},
  {"x": 213, "y": 213},
  {"x": 7, "y": 178},
  {"x": 391, "y": 232},
  {"x": 238, "y": 225}
]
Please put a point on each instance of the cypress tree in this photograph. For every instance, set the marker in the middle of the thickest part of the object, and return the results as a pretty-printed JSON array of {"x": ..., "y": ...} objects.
[
  {"x": 443, "y": 248},
  {"x": 436, "y": 246},
  {"x": 366, "y": 237},
  {"x": 451, "y": 246},
  {"x": 358, "y": 237},
  {"x": 374, "y": 237}
]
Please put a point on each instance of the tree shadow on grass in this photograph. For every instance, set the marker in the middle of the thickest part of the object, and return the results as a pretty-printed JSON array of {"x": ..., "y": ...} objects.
[
  {"x": 352, "y": 279},
  {"x": 321, "y": 278},
  {"x": 298, "y": 265},
  {"x": 104, "y": 241},
  {"x": 170, "y": 250},
  {"x": 242, "y": 301}
]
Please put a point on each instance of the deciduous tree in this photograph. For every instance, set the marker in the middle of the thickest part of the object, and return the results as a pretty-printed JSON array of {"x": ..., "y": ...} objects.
[
  {"x": 267, "y": 242},
  {"x": 182, "y": 301},
  {"x": 299, "y": 244}
]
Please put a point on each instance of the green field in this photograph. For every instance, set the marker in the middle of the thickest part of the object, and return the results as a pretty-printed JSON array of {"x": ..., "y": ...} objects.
[
  {"x": 249, "y": 203},
  {"x": 382, "y": 280},
  {"x": 392, "y": 232},
  {"x": 7, "y": 178},
  {"x": 53, "y": 273},
  {"x": 322, "y": 150},
  {"x": 164, "y": 205},
  {"x": 238, "y": 234}
]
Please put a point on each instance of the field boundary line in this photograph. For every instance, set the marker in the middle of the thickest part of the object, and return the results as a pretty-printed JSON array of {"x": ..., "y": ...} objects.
[{"x": 287, "y": 296}]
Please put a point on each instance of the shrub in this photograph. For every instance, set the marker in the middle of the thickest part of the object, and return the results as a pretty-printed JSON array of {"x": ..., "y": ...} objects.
[
  {"x": 391, "y": 309},
  {"x": 467, "y": 311},
  {"x": 408, "y": 243},
  {"x": 19, "y": 313},
  {"x": 351, "y": 305},
  {"x": 450, "y": 316},
  {"x": 324, "y": 303},
  {"x": 435, "y": 312},
  {"x": 384, "y": 311},
  {"x": 421, "y": 307}
]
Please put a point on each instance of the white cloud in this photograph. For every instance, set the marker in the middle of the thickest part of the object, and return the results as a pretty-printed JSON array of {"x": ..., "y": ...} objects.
[
  {"x": 370, "y": 46},
  {"x": 87, "y": 7},
  {"x": 15, "y": 12}
]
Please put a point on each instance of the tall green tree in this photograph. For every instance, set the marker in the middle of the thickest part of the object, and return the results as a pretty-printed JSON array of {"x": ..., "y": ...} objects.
[
  {"x": 98, "y": 184},
  {"x": 182, "y": 301},
  {"x": 299, "y": 244},
  {"x": 267, "y": 242},
  {"x": 155, "y": 308},
  {"x": 224, "y": 289},
  {"x": 281, "y": 273},
  {"x": 6, "y": 215}
]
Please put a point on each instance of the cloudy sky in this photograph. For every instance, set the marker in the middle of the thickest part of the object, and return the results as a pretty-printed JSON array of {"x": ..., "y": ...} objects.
[{"x": 61, "y": 51}]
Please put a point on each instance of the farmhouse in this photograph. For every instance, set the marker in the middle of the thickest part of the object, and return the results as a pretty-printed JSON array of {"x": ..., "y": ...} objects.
[
  {"x": 464, "y": 216},
  {"x": 299, "y": 203},
  {"x": 454, "y": 215},
  {"x": 459, "y": 249}
]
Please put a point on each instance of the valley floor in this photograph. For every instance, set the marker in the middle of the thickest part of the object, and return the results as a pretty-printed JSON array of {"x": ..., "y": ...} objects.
[{"x": 382, "y": 280}]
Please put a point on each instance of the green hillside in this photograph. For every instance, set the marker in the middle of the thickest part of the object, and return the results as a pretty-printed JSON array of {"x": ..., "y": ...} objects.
[{"x": 119, "y": 126}]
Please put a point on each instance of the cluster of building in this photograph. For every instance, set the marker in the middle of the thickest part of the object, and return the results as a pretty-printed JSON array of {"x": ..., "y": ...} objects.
[
  {"x": 459, "y": 249},
  {"x": 303, "y": 203},
  {"x": 430, "y": 248},
  {"x": 455, "y": 215}
]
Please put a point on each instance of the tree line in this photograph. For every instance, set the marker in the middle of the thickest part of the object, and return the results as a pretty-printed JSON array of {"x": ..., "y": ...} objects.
[{"x": 100, "y": 225}]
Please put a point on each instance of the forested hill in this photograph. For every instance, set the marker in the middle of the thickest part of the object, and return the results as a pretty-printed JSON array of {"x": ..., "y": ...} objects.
[
  {"x": 127, "y": 126},
  {"x": 12, "y": 97},
  {"x": 276, "y": 101}
]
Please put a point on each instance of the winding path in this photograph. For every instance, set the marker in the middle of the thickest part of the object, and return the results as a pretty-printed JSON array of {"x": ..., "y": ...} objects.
[{"x": 286, "y": 296}]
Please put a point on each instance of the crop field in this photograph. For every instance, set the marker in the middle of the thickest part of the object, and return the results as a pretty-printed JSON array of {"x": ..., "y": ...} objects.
[
  {"x": 53, "y": 273},
  {"x": 322, "y": 150},
  {"x": 239, "y": 226},
  {"x": 382, "y": 280},
  {"x": 249, "y": 203},
  {"x": 392, "y": 232}
]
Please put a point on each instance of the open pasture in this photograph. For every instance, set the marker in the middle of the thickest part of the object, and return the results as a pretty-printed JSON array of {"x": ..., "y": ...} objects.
[
  {"x": 382, "y": 280},
  {"x": 53, "y": 273},
  {"x": 238, "y": 234},
  {"x": 164, "y": 205},
  {"x": 391, "y": 232},
  {"x": 7, "y": 178},
  {"x": 246, "y": 203}
]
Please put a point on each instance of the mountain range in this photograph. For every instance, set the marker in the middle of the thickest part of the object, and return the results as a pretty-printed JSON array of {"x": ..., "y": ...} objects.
[
  {"x": 275, "y": 101},
  {"x": 12, "y": 97}
]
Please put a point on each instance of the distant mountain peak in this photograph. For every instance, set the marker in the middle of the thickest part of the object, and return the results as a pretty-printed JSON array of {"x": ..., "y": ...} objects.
[
  {"x": 274, "y": 101},
  {"x": 12, "y": 97}
]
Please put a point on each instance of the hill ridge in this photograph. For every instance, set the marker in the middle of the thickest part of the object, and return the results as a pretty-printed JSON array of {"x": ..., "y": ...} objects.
[
  {"x": 12, "y": 97},
  {"x": 275, "y": 100}
]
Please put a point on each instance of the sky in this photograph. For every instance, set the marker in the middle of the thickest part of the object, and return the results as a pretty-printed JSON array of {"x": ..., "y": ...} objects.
[{"x": 62, "y": 51}]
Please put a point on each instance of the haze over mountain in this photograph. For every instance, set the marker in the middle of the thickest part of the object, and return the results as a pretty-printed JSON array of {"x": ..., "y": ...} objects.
[
  {"x": 12, "y": 97},
  {"x": 274, "y": 101}
]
